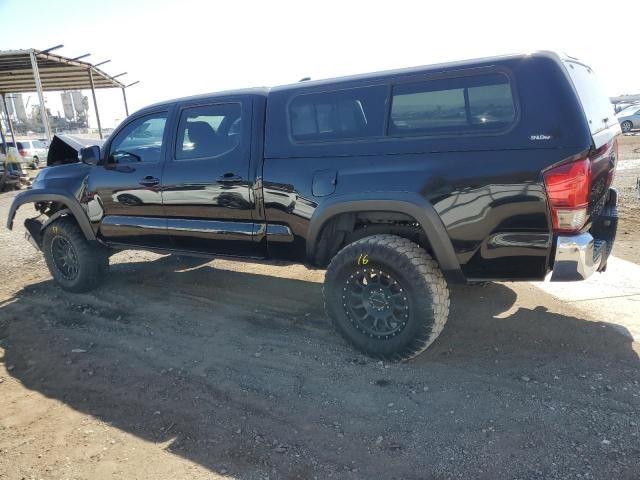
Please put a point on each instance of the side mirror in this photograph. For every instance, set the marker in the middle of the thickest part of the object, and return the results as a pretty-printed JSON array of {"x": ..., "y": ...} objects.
[{"x": 89, "y": 155}]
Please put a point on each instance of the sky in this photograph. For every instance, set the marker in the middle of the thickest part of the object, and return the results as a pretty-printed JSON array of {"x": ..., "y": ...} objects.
[{"x": 186, "y": 47}]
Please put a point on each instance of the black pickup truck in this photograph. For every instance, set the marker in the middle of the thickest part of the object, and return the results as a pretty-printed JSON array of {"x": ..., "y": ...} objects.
[{"x": 397, "y": 183}]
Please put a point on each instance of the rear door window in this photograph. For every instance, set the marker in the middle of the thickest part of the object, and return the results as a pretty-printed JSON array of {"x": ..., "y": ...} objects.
[
  {"x": 456, "y": 105},
  {"x": 338, "y": 115},
  {"x": 208, "y": 131}
]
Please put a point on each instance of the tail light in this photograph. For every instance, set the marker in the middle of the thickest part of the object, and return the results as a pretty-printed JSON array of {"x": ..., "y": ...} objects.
[
  {"x": 568, "y": 188},
  {"x": 22, "y": 152}
]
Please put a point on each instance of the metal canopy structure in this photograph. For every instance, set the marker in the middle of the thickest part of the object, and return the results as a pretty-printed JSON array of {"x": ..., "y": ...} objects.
[
  {"x": 56, "y": 73},
  {"x": 40, "y": 70}
]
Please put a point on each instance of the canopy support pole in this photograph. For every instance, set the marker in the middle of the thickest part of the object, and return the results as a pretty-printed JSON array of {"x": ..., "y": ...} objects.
[
  {"x": 43, "y": 107},
  {"x": 6, "y": 151},
  {"x": 9, "y": 122},
  {"x": 95, "y": 102},
  {"x": 4, "y": 142},
  {"x": 124, "y": 97}
]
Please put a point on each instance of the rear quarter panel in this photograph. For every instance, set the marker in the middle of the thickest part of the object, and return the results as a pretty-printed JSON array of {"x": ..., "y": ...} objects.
[{"x": 492, "y": 204}]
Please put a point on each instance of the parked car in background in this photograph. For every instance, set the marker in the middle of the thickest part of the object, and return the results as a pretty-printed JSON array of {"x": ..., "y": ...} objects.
[
  {"x": 619, "y": 107},
  {"x": 629, "y": 118},
  {"x": 33, "y": 152},
  {"x": 624, "y": 106}
]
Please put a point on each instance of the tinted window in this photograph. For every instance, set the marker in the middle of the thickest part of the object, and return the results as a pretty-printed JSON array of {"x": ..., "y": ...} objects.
[
  {"x": 338, "y": 115},
  {"x": 208, "y": 131},
  {"x": 20, "y": 145},
  {"x": 474, "y": 103},
  {"x": 140, "y": 141},
  {"x": 594, "y": 99}
]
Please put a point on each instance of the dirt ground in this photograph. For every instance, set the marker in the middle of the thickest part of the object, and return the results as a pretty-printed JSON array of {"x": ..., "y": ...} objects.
[
  {"x": 180, "y": 368},
  {"x": 627, "y": 174}
]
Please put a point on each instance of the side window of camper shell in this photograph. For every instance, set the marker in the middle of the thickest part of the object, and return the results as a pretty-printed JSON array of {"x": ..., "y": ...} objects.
[
  {"x": 337, "y": 115},
  {"x": 468, "y": 104}
]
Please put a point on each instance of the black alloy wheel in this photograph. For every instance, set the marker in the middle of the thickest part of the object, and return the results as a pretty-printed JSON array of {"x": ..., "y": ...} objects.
[
  {"x": 65, "y": 257},
  {"x": 375, "y": 303}
]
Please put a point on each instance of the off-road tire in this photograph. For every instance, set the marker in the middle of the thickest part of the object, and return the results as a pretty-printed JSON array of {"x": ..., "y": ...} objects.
[
  {"x": 92, "y": 259},
  {"x": 412, "y": 270}
]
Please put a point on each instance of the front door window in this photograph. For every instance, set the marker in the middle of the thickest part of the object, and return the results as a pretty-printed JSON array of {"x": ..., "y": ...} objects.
[{"x": 140, "y": 141}]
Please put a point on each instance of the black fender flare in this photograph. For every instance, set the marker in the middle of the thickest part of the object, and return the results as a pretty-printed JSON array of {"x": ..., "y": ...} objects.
[
  {"x": 60, "y": 213},
  {"x": 53, "y": 195},
  {"x": 398, "y": 202}
]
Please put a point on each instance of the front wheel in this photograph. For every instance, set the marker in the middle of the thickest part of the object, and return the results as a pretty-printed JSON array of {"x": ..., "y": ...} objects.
[
  {"x": 626, "y": 126},
  {"x": 75, "y": 264},
  {"x": 386, "y": 296}
]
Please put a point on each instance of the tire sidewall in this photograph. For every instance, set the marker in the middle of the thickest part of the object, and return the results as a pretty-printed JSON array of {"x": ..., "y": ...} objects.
[
  {"x": 91, "y": 263},
  {"x": 419, "y": 295},
  {"x": 50, "y": 234},
  {"x": 629, "y": 126}
]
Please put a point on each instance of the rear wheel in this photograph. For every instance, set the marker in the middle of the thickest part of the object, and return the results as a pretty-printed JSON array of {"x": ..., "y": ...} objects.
[
  {"x": 75, "y": 264},
  {"x": 386, "y": 296},
  {"x": 626, "y": 126}
]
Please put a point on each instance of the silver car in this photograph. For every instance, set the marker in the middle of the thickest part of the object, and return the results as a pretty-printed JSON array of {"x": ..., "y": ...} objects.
[
  {"x": 629, "y": 118},
  {"x": 33, "y": 152}
]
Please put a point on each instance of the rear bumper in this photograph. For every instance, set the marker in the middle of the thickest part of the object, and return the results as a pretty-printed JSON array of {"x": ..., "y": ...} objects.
[{"x": 577, "y": 257}]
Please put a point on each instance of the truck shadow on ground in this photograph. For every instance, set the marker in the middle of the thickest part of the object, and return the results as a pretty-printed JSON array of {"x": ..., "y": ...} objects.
[{"x": 242, "y": 373}]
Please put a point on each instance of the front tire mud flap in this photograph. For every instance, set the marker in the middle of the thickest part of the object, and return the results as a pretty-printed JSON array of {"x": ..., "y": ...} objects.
[{"x": 34, "y": 231}]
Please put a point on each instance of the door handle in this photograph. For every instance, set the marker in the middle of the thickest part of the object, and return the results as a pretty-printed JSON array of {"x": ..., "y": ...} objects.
[
  {"x": 229, "y": 177},
  {"x": 149, "y": 181}
]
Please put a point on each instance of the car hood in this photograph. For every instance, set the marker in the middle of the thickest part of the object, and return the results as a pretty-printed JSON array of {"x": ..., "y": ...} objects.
[{"x": 64, "y": 149}]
